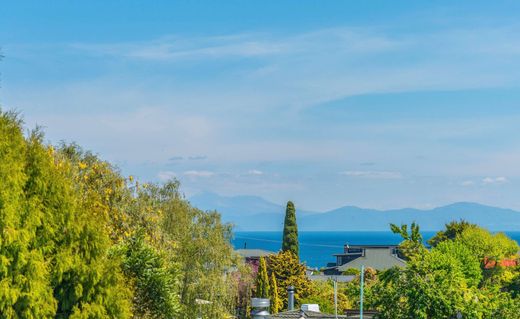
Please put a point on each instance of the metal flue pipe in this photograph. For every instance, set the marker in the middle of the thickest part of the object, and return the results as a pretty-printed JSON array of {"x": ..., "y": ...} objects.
[
  {"x": 260, "y": 308},
  {"x": 290, "y": 294}
]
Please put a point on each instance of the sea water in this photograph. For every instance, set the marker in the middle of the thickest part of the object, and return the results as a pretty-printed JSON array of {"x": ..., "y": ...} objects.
[{"x": 317, "y": 248}]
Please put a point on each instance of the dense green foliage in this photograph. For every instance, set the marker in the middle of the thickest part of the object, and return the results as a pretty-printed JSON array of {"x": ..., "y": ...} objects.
[
  {"x": 323, "y": 295},
  {"x": 79, "y": 240},
  {"x": 352, "y": 289},
  {"x": 53, "y": 251},
  {"x": 453, "y": 277},
  {"x": 462, "y": 273},
  {"x": 276, "y": 302},
  {"x": 452, "y": 231},
  {"x": 153, "y": 279},
  {"x": 412, "y": 241},
  {"x": 25, "y": 287},
  {"x": 263, "y": 289},
  {"x": 290, "y": 230},
  {"x": 288, "y": 271}
]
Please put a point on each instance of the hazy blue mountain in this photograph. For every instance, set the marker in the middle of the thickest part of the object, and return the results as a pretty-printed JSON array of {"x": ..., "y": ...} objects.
[
  {"x": 236, "y": 205},
  {"x": 355, "y": 218},
  {"x": 245, "y": 212},
  {"x": 255, "y": 213}
]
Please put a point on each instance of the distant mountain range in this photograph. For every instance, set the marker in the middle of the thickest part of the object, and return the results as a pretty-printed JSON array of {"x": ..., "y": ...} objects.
[{"x": 253, "y": 213}]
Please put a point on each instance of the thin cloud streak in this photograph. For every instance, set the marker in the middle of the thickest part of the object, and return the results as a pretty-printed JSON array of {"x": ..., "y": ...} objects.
[
  {"x": 194, "y": 173},
  {"x": 373, "y": 174}
]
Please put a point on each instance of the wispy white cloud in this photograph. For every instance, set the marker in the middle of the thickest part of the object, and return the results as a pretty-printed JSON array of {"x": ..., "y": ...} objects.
[
  {"x": 197, "y": 158},
  {"x": 255, "y": 172},
  {"x": 494, "y": 180},
  {"x": 194, "y": 173},
  {"x": 162, "y": 107},
  {"x": 373, "y": 174},
  {"x": 343, "y": 61},
  {"x": 175, "y": 48},
  {"x": 467, "y": 183}
]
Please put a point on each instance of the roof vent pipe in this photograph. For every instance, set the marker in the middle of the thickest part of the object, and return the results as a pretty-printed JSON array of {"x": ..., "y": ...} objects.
[{"x": 290, "y": 293}]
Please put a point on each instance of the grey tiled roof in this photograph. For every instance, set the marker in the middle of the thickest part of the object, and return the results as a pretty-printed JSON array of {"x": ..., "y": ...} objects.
[{"x": 296, "y": 314}]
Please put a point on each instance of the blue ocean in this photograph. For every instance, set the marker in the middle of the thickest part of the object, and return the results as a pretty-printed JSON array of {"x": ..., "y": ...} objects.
[{"x": 317, "y": 248}]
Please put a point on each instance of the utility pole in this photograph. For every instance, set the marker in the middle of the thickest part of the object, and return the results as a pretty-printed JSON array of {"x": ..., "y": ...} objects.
[{"x": 361, "y": 292}]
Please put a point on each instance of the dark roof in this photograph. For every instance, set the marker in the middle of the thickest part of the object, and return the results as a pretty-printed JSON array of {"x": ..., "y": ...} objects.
[
  {"x": 296, "y": 314},
  {"x": 368, "y": 246}
]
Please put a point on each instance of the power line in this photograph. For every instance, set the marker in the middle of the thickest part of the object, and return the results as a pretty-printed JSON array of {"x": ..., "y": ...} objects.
[{"x": 279, "y": 242}]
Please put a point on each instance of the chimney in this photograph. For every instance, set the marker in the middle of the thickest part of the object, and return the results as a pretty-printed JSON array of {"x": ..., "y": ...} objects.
[
  {"x": 260, "y": 308},
  {"x": 290, "y": 293}
]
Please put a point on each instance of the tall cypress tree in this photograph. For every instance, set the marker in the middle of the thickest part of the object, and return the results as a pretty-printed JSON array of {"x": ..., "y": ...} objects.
[
  {"x": 276, "y": 302},
  {"x": 262, "y": 280},
  {"x": 290, "y": 230}
]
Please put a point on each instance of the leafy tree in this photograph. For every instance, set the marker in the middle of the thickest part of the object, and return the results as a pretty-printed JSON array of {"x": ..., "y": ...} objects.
[
  {"x": 200, "y": 244},
  {"x": 85, "y": 280},
  {"x": 431, "y": 286},
  {"x": 351, "y": 272},
  {"x": 276, "y": 303},
  {"x": 197, "y": 242},
  {"x": 79, "y": 240},
  {"x": 465, "y": 259},
  {"x": 65, "y": 245},
  {"x": 323, "y": 295},
  {"x": 290, "y": 230},
  {"x": 488, "y": 247},
  {"x": 451, "y": 278},
  {"x": 506, "y": 307},
  {"x": 412, "y": 243},
  {"x": 288, "y": 271},
  {"x": 514, "y": 285},
  {"x": 154, "y": 279},
  {"x": 103, "y": 188},
  {"x": 452, "y": 231},
  {"x": 25, "y": 291},
  {"x": 263, "y": 289},
  {"x": 352, "y": 288},
  {"x": 244, "y": 279}
]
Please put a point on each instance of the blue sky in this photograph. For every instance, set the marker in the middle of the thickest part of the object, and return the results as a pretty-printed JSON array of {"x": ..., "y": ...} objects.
[{"x": 381, "y": 104}]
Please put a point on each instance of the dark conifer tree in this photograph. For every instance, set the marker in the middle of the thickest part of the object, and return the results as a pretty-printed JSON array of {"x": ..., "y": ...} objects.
[{"x": 290, "y": 230}]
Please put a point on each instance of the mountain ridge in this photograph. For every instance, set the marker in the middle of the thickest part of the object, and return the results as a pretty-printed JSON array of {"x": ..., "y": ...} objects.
[{"x": 253, "y": 213}]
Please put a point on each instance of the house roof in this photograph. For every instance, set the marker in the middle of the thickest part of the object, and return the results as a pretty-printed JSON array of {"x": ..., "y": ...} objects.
[
  {"x": 252, "y": 253},
  {"x": 296, "y": 314},
  {"x": 367, "y": 247},
  {"x": 376, "y": 258}
]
